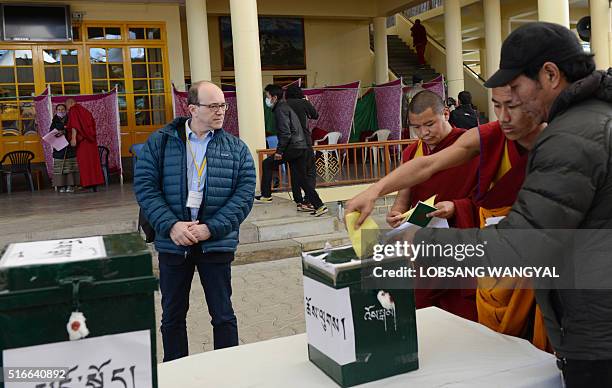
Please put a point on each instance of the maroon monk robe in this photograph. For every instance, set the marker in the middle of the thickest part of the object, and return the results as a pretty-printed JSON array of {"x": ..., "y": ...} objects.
[
  {"x": 492, "y": 191},
  {"x": 90, "y": 169},
  {"x": 455, "y": 184}
]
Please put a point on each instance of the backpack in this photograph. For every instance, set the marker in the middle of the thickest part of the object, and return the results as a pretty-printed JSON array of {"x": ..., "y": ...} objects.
[{"x": 143, "y": 223}]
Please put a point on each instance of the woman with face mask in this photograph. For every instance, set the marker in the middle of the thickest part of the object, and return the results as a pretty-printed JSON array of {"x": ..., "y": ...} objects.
[{"x": 65, "y": 167}]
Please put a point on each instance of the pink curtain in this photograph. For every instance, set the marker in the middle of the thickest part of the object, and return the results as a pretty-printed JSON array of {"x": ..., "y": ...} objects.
[
  {"x": 336, "y": 108},
  {"x": 42, "y": 107},
  {"x": 105, "y": 110},
  {"x": 389, "y": 107},
  {"x": 179, "y": 100}
]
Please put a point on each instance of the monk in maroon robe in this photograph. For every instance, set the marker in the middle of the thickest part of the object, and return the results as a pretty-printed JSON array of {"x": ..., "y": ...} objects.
[
  {"x": 83, "y": 122},
  {"x": 452, "y": 187}
]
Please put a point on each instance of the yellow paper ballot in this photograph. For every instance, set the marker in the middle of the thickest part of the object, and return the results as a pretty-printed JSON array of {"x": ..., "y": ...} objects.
[{"x": 362, "y": 247}]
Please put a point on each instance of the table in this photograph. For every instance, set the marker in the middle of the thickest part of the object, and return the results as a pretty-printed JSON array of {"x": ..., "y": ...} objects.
[{"x": 452, "y": 352}]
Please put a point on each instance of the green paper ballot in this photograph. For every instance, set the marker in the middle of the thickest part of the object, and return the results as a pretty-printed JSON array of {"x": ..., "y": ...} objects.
[{"x": 419, "y": 214}]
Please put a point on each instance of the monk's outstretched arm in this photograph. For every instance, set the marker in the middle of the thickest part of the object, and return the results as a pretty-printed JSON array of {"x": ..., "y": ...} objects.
[{"x": 417, "y": 171}]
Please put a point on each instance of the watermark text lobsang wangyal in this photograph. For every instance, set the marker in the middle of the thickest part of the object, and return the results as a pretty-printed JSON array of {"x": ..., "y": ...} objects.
[{"x": 548, "y": 259}]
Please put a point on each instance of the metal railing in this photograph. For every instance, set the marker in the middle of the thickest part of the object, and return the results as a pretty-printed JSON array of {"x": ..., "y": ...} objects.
[
  {"x": 422, "y": 8},
  {"x": 432, "y": 39},
  {"x": 346, "y": 164}
]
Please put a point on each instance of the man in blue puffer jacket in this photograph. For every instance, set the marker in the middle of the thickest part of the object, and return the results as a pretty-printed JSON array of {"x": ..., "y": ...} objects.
[{"x": 196, "y": 183}]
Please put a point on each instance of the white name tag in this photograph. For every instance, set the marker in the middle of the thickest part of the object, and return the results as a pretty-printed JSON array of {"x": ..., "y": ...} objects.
[{"x": 194, "y": 200}]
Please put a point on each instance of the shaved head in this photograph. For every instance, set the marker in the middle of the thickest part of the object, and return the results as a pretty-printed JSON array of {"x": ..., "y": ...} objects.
[{"x": 70, "y": 102}]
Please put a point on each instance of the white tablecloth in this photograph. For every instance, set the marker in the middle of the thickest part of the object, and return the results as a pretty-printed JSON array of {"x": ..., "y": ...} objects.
[{"x": 452, "y": 352}]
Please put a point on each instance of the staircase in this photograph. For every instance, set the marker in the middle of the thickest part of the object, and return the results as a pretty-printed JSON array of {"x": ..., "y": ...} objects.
[{"x": 403, "y": 61}]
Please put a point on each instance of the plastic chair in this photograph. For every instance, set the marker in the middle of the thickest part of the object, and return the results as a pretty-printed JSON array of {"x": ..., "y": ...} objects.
[
  {"x": 20, "y": 164},
  {"x": 135, "y": 150},
  {"x": 380, "y": 135},
  {"x": 332, "y": 138},
  {"x": 273, "y": 143}
]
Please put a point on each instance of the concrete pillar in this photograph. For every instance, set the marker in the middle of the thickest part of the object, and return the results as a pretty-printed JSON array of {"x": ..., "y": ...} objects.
[
  {"x": 493, "y": 42},
  {"x": 600, "y": 32},
  {"x": 483, "y": 63},
  {"x": 197, "y": 32},
  {"x": 381, "y": 58},
  {"x": 247, "y": 71},
  {"x": 454, "y": 47},
  {"x": 554, "y": 11}
]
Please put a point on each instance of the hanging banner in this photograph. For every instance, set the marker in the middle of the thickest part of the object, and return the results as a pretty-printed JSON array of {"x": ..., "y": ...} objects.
[
  {"x": 389, "y": 107},
  {"x": 105, "y": 110},
  {"x": 336, "y": 108}
]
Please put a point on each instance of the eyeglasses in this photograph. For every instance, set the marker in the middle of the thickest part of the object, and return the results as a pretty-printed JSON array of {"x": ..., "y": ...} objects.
[{"x": 214, "y": 107}]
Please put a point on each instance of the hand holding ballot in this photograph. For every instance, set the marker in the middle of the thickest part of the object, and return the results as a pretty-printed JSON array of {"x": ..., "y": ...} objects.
[
  {"x": 56, "y": 140},
  {"x": 363, "y": 237}
]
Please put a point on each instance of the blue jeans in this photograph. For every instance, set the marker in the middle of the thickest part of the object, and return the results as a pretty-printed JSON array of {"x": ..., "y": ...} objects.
[{"x": 175, "y": 276}]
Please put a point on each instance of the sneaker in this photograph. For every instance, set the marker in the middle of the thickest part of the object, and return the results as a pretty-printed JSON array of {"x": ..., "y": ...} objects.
[
  {"x": 70, "y": 189},
  {"x": 305, "y": 207},
  {"x": 62, "y": 190},
  {"x": 263, "y": 199},
  {"x": 320, "y": 211}
]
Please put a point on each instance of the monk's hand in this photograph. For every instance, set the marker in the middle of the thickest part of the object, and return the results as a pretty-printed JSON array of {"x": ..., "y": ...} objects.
[
  {"x": 73, "y": 142},
  {"x": 181, "y": 235},
  {"x": 446, "y": 209},
  {"x": 362, "y": 203},
  {"x": 200, "y": 231},
  {"x": 394, "y": 218}
]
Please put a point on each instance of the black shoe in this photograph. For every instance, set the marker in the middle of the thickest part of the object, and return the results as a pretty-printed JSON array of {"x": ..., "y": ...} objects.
[{"x": 320, "y": 211}]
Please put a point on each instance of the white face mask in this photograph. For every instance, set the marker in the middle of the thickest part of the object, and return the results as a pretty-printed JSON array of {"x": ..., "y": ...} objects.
[{"x": 269, "y": 103}]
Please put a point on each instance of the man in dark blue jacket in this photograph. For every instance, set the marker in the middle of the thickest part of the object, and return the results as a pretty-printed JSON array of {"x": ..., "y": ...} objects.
[{"x": 196, "y": 183}]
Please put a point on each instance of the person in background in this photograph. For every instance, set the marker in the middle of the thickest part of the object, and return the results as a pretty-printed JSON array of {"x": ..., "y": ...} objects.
[
  {"x": 464, "y": 116},
  {"x": 417, "y": 87},
  {"x": 451, "y": 104},
  {"x": 292, "y": 148},
  {"x": 86, "y": 143},
  {"x": 419, "y": 40},
  {"x": 304, "y": 110},
  {"x": 65, "y": 166}
]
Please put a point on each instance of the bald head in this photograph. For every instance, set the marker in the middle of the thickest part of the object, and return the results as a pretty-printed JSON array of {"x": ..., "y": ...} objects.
[
  {"x": 206, "y": 104},
  {"x": 201, "y": 90},
  {"x": 70, "y": 103}
]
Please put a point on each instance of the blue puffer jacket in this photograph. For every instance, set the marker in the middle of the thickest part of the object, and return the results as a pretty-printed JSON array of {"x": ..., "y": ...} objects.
[{"x": 228, "y": 194}]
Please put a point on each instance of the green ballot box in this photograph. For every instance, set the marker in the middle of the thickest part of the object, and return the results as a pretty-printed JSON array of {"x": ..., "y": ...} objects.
[
  {"x": 78, "y": 312},
  {"x": 356, "y": 335}
]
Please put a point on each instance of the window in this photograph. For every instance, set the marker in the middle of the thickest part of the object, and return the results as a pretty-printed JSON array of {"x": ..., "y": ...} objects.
[
  {"x": 148, "y": 85},
  {"x": 16, "y": 91},
  {"x": 107, "y": 71},
  {"x": 144, "y": 33},
  {"x": 62, "y": 71},
  {"x": 104, "y": 33}
]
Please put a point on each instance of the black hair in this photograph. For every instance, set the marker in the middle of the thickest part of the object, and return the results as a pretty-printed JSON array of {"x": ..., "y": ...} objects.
[
  {"x": 275, "y": 91},
  {"x": 58, "y": 105},
  {"x": 573, "y": 69},
  {"x": 424, "y": 100},
  {"x": 294, "y": 91},
  {"x": 465, "y": 98}
]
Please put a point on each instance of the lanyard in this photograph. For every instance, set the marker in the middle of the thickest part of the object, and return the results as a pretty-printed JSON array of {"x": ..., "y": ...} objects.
[{"x": 200, "y": 168}]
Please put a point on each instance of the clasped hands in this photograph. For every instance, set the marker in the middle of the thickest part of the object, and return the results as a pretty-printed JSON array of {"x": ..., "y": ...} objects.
[{"x": 188, "y": 233}]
